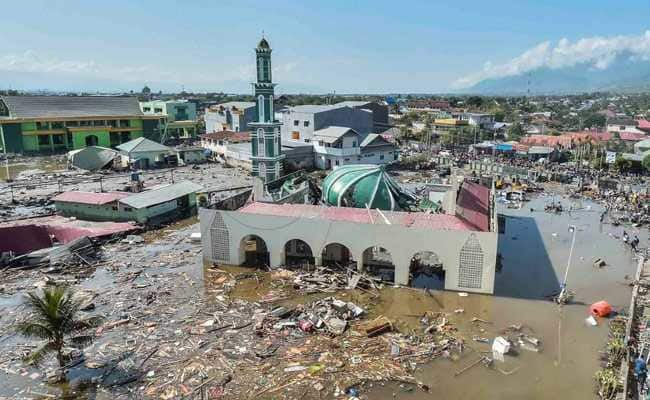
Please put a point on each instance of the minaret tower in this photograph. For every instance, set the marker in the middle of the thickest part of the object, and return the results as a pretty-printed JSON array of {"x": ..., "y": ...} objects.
[{"x": 265, "y": 132}]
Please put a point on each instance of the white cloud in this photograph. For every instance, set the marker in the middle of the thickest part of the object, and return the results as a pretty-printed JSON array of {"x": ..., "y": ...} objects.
[
  {"x": 30, "y": 61},
  {"x": 598, "y": 52}
]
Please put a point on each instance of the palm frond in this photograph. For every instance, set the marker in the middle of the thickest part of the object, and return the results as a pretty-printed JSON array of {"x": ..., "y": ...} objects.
[
  {"x": 36, "y": 356},
  {"x": 35, "y": 329},
  {"x": 82, "y": 341},
  {"x": 87, "y": 323}
]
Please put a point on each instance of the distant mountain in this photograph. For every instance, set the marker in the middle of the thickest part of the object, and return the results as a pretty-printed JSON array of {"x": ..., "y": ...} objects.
[
  {"x": 623, "y": 75},
  {"x": 31, "y": 81}
]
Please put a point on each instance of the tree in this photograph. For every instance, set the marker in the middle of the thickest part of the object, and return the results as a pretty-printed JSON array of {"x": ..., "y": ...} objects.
[
  {"x": 622, "y": 164},
  {"x": 515, "y": 131},
  {"x": 646, "y": 162},
  {"x": 594, "y": 120},
  {"x": 54, "y": 319},
  {"x": 475, "y": 101}
]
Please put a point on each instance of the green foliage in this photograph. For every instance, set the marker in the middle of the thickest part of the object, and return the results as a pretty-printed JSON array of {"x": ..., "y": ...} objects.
[
  {"x": 54, "y": 319},
  {"x": 474, "y": 101},
  {"x": 515, "y": 131},
  {"x": 646, "y": 162},
  {"x": 622, "y": 164},
  {"x": 594, "y": 120}
]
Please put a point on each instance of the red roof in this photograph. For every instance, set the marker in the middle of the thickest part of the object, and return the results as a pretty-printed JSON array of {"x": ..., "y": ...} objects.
[
  {"x": 473, "y": 205},
  {"x": 643, "y": 124},
  {"x": 567, "y": 139},
  {"x": 632, "y": 136},
  {"x": 361, "y": 215},
  {"x": 89, "y": 197},
  {"x": 228, "y": 135}
]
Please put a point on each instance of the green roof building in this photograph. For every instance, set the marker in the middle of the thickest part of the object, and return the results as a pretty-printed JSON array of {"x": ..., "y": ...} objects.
[
  {"x": 365, "y": 186},
  {"x": 51, "y": 124}
]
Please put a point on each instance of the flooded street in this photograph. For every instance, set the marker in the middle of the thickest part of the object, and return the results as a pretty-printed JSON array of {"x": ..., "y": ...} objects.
[
  {"x": 14, "y": 169},
  {"x": 535, "y": 249}
]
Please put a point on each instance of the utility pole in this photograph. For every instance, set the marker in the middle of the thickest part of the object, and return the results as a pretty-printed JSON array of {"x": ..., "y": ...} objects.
[{"x": 563, "y": 297}]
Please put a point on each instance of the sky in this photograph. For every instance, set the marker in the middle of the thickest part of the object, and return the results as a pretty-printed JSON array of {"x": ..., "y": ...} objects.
[{"x": 342, "y": 46}]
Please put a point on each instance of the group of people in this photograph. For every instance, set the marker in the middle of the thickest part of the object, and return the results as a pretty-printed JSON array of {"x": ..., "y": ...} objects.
[{"x": 634, "y": 243}]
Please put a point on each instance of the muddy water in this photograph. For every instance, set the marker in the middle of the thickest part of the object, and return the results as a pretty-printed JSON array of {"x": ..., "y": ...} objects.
[
  {"x": 535, "y": 249},
  {"x": 13, "y": 170}
]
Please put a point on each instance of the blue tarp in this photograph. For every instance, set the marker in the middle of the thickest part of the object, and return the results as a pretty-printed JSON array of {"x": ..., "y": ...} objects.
[{"x": 503, "y": 147}]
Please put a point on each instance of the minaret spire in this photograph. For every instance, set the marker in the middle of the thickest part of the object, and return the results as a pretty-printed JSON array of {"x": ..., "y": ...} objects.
[{"x": 266, "y": 144}]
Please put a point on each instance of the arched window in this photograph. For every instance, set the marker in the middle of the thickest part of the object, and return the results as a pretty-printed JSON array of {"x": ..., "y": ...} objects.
[
  {"x": 261, "y": 150},
  {"x": 262, "y": 173},
  {"x": 260, "y": 107}
]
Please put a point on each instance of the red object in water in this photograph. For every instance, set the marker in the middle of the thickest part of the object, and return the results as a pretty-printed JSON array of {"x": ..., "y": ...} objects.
[
  {"x": 306, "y": 326},
  {"x": 601, "y": 309}
]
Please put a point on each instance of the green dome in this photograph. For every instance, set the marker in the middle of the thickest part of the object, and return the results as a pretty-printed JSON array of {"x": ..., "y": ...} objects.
[{"x": 363, "y": 185}]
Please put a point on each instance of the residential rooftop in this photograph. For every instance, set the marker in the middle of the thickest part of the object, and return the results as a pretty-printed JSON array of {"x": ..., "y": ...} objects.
[
  {"x": 161, "y": 195},
  {"x": 25, "y": 107},
  {"x": 92, "y": 198}
]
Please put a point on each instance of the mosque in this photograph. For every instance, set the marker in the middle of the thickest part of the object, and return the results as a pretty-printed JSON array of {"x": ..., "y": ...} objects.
[{"x": 363, "y": 219}]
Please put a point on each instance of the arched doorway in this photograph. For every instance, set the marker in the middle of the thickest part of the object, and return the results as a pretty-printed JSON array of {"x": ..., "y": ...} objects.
[
  {"x": 254, "y": 251},
  {"x": 378, "y": 261},
  {"x": 92, "y": 140},
  {"x": 336, "y": 254},
  {"x": 298, "y": 252},
  {"x": 426, "y": 271}
]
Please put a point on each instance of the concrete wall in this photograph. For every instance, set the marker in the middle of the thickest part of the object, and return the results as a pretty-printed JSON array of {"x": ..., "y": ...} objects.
[
  {"x": 304, "y": 132},
  {"x": 223, "y": 233},
  {"x": 357, "y": 119},
  {"x": 378, "y": 154}
]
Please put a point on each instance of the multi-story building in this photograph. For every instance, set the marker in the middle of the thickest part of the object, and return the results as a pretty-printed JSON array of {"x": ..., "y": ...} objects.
[
  {"x": 232, "y": 116},
  {"x": 623, "y": 125},
  {"x": 177, "y": 117},
  {"x": 483, "y": 121},
  {"x": 266, "y": 142},
  {"x": 49, "y": 124},
  {"x": 301, "y": 122},
  {"x": 379, "y": 113}
]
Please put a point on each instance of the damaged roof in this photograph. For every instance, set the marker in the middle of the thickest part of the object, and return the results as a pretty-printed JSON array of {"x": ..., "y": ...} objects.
[
  {"x": 161, "y": 195},
  {"x": 71, "y": 106},
  {"x": 89, "y": 197}
]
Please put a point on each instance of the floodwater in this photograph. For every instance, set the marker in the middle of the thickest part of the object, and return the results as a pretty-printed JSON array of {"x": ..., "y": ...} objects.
[
  {"x": 535, "y": 249},
  {"x": 13, "y": 170}
]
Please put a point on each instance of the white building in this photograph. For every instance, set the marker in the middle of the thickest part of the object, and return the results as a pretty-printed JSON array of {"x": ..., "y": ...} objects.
[
  {"x": 623, "y": 125},
  {"x": 232, "y": 116},
  {"x": 267, "y": 234},
  {"x": 484, "y": 121},
  {"x": 177, "y": 117}
]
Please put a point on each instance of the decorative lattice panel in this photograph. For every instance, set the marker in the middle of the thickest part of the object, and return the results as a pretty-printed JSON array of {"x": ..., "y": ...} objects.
[
  {"x": 220, "y": 238},
  {"x": 470, "y": 271}
]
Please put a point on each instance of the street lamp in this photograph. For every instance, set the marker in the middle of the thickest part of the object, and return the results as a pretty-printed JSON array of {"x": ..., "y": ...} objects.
[{"x": 564, "y": 295}]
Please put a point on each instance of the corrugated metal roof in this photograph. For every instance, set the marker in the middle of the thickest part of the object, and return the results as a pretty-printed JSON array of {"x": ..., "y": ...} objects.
[
  {"x": 241, "y": 105},
  {"x": 71, "y": 106},
  {"x": 89, "y": 197},
  {"x": 353, "y": 103},
  {"x": 313, "y": 109},
  {"x": 142, "y": 144},
  {"x": 161, "y": 195},
  {"x": 361, "y": 215},
  {"x": 333, "y": 133}
]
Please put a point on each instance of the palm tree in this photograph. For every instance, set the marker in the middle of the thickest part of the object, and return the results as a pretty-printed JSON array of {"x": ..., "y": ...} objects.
[{"x": 54, "y": 319}]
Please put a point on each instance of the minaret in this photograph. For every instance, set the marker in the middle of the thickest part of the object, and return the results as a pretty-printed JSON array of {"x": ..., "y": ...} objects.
[{"x": 265, "y": 132}]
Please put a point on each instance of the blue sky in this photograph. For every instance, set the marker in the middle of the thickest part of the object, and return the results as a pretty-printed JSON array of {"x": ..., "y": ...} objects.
[{"x": 345, "y": 46}]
